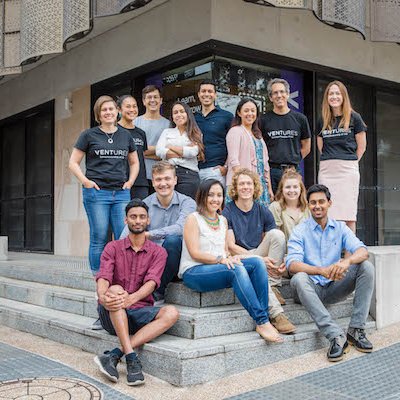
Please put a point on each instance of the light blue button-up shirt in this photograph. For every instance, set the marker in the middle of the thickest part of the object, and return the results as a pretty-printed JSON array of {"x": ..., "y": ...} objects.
[
  {"x": 309, "y": 244},
  {"x": 166, "y": 221}
]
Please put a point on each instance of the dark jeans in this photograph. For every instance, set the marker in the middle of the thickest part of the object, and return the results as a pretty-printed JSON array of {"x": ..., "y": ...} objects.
[
  {"x": 188, "y": 181},
  {"x": 249, "y": 282},
  {"x": 139, "y": 192},
  {"x": 173, "y": 245},
  {"x": 276, "y": 175}
]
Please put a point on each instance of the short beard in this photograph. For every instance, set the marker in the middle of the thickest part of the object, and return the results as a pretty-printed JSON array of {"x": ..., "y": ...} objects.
[{"x": 136, "y": 231}]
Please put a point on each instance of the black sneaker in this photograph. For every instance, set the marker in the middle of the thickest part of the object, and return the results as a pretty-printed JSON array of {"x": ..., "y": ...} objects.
[
  {"x": 107, "y": 363},
  {"x": 337, "y": 348},
  {"x": 97, "y": 325},
  {"x": 356, "y": 337},
  {"x": 134, "y": 374}
]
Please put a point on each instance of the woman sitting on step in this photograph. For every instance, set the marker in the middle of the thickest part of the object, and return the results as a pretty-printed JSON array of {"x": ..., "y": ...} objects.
[{"x": 206, "y": 266}]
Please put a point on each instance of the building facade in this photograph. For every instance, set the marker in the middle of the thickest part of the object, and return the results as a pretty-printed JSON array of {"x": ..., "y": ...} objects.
[{"x": 175, "y": 44}]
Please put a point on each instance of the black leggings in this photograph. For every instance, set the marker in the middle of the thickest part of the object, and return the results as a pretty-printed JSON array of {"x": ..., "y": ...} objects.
[{"x": 188, "y": 181}]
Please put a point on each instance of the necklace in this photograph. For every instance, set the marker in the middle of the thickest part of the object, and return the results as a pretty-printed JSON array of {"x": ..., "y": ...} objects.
[
  {"x": 212, "y": 223},
  {"x": 110, "y": 138}
]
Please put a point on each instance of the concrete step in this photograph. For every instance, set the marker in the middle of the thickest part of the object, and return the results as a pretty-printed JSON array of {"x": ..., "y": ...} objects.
[
  {"x": 194, "y": 323},
  {"x": 177, "y": 360},
  {"x": 178, "y": 293},
  {"x": 74, "y": 301},
  {"x": 57, "y": 275}
]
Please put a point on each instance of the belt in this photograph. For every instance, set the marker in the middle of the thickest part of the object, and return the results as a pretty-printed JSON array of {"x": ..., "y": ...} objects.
[{"x": 282, "y": 166}]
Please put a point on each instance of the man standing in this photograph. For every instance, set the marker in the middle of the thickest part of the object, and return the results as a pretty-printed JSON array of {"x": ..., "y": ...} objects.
[
  {"x": 252, "y": 231},
  {"x": 322, "y": 277},
  {"x": 130, "y": 271},
  {"x": 168, "y": 210},
  {"x": 152, "y": 123},
  {"x": 286, "y": 132},
  {"x": 214, "y": 124}
]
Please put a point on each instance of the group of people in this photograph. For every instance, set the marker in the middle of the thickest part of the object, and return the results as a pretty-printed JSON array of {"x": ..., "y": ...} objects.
[{"x": 218, "y": 201}]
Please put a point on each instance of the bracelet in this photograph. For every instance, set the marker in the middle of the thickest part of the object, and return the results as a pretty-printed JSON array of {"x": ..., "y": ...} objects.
[{"x": 219, "y": 259}]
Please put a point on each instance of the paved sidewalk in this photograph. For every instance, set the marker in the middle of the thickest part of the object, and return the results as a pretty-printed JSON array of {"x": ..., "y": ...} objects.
[{"x": 368, "y": 376}]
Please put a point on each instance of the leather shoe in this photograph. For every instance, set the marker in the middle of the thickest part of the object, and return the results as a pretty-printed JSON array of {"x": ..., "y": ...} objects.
[
  {"x": 282, "y": 324},
  {"x": 356, "y": 337},
  {"x": 336, "y": 349}
]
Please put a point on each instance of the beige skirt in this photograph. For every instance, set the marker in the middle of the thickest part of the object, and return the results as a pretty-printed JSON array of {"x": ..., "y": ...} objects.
[{"x": 342, "y": 177}]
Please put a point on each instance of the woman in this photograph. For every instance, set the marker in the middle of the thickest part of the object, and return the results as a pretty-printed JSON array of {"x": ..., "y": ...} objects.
[
  {"x": 247, "y": 149},
  {"x": 290, "y": 205},
  {"x": 128, "y": 108},
  {"x": 342, "y": 142},
  {"x": 205, "y": 265},
  {"x": 182, "y": 146},
  {"x": 105, "y": 186}
]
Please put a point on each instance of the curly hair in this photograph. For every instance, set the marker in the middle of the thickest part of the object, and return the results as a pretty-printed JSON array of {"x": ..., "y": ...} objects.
[
  {"x": 233, "y": 188},
  {"x": 291, "y": 173}
]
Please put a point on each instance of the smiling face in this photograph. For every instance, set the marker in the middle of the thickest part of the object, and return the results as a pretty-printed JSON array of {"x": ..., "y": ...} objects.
[
  {"x": 279, "y": 95},
  {"x": 335, "y": 97},
  {"x": 319, "y": 206},
  {"x": 248, "y": 113},
  {"x": 291, "y": 189},
  {"x": 152, "y": 101},
  {"x": 108, "y": 113},
  {"x": 129, "y": 109},
  {"x": 207, "y": 95},
  {"x": 215, "y": 198},
  {"x": 164, "y": 182},
  {"x": 179, "y": 116},
  {"x": 137, "y": 220},
  {"x": 245, "y": 187}
]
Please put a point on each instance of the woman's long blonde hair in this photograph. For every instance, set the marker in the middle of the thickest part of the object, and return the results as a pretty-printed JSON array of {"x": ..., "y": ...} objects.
[
  {"x": 327, "y": 116},
  {"x": 290, "y": 173}
]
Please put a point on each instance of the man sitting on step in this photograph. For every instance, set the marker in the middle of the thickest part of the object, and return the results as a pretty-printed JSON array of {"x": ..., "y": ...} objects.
[
  {"x": 322, "y": 277},
  {"x": 252, "y": 230},
  {"x": 130, "y": 271},
  {"x": 168, "y": 210}
]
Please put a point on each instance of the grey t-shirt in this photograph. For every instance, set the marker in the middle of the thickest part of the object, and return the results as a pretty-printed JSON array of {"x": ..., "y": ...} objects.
[{"x": 153, "y": 129}]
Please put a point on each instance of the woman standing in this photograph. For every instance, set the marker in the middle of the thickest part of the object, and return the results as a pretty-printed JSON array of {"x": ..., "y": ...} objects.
[
  {"x": 106, "y": 184},
  {"x": 247, "y": 149},
  {"x": 128, "y": 108},
  {"x": 205, "y": 265},
  {"x": 182, "y": 146},
  {"x": 342, "y": 142},
  {"x": 290, "y": 205}
]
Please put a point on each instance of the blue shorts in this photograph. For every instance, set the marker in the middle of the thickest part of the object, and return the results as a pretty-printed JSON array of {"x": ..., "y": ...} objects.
[{"x": 137, "y": 318}]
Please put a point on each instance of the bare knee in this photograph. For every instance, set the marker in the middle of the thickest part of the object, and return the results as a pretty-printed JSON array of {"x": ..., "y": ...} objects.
[
  {"x": 115, "y": 289},
  {"x": 168, "y": 314}
]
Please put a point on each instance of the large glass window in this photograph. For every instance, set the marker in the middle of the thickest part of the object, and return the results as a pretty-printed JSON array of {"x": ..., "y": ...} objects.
[
  {"x": 388, "y": 159},
  {"x": 26, "y": 180}
]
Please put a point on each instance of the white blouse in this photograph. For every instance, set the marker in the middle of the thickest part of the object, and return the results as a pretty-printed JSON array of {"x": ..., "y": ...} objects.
[
  {"x": 211, "y": 241},
  {"x": 172, "y": 137}
]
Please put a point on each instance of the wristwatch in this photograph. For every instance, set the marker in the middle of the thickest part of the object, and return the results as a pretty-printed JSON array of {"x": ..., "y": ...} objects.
[{"x": 219, "y": 259}]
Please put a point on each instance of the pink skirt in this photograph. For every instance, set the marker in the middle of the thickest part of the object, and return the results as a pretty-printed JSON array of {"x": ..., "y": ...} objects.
[{"x": 342, "y": 177}]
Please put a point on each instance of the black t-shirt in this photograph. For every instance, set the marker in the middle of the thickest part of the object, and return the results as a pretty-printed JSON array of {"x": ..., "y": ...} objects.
[
  {"x": 106, "y": 162},
  {"x": 283, "y": 134},
  {"x": 139, "y": 138},
  {"x": 340, "y": 143}
]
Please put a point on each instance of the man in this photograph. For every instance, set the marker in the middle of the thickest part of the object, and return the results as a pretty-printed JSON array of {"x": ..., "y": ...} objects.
[
  {"x": 322, "y": 277},
  {"x": 214, "y": 123},
  {"x": 153, "y": 123},
  {"x": 130, "y": 271},
  {"x": 286, "y": 132},
  {"x": 168, "y": 210},
  {"x": 252, "y": 231}
]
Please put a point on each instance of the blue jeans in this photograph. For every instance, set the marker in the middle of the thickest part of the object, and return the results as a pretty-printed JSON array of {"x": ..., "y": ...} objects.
[
  {"x": 103, "y": 207},
  {"x": 249, "y": 282},
  {"x": 173, "y": 245}
]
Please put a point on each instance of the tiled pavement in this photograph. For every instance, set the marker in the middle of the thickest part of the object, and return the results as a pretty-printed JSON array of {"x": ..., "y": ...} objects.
[
  {"x": 372, "y": 377},
  {"x": 21, "y": 366}
]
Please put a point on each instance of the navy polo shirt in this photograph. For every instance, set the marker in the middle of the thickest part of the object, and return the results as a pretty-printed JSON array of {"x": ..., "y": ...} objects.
[{"x": 215, "y": 125}]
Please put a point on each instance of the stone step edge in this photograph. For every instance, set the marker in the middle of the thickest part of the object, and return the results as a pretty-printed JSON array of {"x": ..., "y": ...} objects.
[
  {"x": 191, "y": 314},
  {"x": 172, "y": 346}
]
